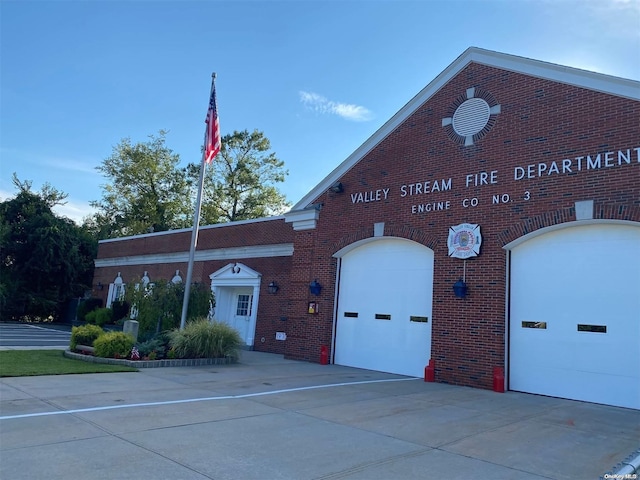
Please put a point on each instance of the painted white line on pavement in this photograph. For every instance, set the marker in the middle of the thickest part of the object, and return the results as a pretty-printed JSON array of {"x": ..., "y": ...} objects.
[
  {"x": 38, "y": 327},
  {"x": 203, "y": 399},
  {"x": 32, "y": 335}
]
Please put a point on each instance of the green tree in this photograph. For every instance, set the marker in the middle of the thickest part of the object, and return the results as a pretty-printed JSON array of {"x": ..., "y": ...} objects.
[
  {"x": 241, "y": 182},
  {"x": 158, "y": 307},
  {"x": 145, "y": 192},
  {"x": 50, "y": 195},
  {"x": 45, "y": 260}
]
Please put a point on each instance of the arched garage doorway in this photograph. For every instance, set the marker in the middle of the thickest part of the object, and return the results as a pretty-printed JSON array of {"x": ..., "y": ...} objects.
[
  {"x": 575, "y": 314},
  {"x": 383, "y": 314}
]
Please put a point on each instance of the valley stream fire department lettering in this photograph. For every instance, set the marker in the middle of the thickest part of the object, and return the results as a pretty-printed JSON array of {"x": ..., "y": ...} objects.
[
  {"x": 425, "y": 187},
  {"x": 370, "y": 196},
  {"x": 577, "y": 164}
]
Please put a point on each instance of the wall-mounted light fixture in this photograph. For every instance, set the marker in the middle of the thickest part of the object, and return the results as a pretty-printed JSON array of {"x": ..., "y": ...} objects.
[
  {"x": 315, "y": 287},
  {"x": 99, "y": 286},
  {"x": 336, "y": 188},
  {"x": 273, "y": 288},
  {"x": 460, "y": 289}
]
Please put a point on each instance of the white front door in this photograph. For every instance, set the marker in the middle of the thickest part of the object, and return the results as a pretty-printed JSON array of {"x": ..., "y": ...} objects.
[
  {"x": 242, "y": 310},
  {"x": 237, "y": 292}
]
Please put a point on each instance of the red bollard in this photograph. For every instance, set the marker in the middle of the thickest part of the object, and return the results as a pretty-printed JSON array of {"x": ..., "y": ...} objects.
[
  {"x": 430, "y": 371},
  {"x": 498, "y": 379},
  {"x": 324, "y": 355}
]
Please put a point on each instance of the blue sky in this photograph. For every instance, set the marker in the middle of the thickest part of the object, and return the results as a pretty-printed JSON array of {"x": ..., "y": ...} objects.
[{"x": 317, "y": 77}]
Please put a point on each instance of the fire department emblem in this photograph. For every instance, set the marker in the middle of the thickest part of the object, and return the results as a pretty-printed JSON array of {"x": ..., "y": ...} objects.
[{"x": 464, "y": 240}]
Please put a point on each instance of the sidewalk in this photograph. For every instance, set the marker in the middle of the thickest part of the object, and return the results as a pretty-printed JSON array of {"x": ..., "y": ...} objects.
[{"x": 269, "y": 418}]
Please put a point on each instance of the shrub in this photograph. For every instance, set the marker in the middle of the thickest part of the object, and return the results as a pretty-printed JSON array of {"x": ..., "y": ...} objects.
[
  {"x": 203, "y": 339},
  {"x": 84, "y": 335},
  {"x": 155, "y": 346},
  {"x": 158, "y": 307},
  {"x": 87, "y": 305},
  {"x": 100, "y": 317},
  {"x": 113, "y": 345}
]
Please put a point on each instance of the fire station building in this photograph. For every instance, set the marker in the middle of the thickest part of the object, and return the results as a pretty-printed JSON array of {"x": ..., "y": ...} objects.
[{"x": 492, "y": 223}]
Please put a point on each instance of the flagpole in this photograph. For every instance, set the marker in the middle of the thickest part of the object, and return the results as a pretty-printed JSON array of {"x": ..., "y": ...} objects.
[{"x": 194, "y": 232}]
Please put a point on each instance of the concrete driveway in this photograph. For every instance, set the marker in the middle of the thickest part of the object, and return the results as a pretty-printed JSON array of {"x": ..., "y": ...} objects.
[{"x": 269, "y": 418}]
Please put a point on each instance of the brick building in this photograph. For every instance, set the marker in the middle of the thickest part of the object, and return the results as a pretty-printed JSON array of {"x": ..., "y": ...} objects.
[{"x": 493, "y": 222}]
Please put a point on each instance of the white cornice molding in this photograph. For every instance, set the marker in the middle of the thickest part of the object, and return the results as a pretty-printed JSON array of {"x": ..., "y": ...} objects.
[
  {"x": 303, "y": 219},
  {"x": 558, "y": 73},
  {"x": 256, "y": 251}
]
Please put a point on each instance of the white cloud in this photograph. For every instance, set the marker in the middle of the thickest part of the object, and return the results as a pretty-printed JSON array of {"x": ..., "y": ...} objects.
[
  {"x": 72, "y": 165},
  {"x": 75, "y": 211},
  {"x": 72, "y": 210},
  {"x": 39, "y": 159},
  {"x": 619, "y": 17},
  {"x": 348, "y": 111},
  {"x": 6, "y": 195}
]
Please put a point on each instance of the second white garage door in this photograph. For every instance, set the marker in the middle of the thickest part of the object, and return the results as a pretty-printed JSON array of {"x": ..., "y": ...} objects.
[
  {"x": 575, "y": 314},
  {"x": 384, "y": 307}
]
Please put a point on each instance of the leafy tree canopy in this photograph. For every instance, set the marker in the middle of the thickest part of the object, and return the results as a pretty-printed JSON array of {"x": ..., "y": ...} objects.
[
  {"x": 241, "y": 182},
  {"x": 146, "y": 190},
  {"x": 45, "y": 259},
  {"x": 50, "y": 195}
]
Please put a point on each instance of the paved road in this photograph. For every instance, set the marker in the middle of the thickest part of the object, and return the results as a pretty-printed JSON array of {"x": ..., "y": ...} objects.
[
  {"x": 267, "y": 418},
  {"x": 20, "y": 336}
]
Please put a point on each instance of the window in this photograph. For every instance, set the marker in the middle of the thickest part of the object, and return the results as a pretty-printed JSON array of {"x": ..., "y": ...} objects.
[
  {"x": 592, "y": 328},
  {"x": 116, "y": 291},
  {"x": 243, "y": 308},
  {"x": 542, "y": 325}
]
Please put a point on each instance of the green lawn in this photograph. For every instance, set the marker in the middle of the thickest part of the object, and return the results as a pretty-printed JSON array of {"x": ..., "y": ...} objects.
[{"x": 22, "y": 363}]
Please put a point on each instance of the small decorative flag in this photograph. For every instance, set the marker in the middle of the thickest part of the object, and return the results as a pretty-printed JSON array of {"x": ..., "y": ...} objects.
[
  {"x": 135, "y": 354},
  {"x": 212, "y": 142}
]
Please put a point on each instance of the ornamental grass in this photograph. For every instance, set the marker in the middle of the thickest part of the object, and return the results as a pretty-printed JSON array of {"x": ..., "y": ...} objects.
[{"x": 204, "y": 339}]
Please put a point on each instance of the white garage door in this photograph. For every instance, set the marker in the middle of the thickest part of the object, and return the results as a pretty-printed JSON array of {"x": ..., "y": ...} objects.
[
  {"x": 575, "y": 315},
  {"x": 384, "y": 307}
]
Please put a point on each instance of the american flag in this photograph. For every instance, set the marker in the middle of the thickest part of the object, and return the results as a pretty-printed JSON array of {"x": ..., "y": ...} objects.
[
  {"x": 212, "y": 133},
  {"x": 135, "y": 354}
]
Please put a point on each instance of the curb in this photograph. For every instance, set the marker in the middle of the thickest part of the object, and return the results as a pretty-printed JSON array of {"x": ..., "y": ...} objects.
[
  {"x": 178, "y": 362},
  {"x": 627, "y": 469}
]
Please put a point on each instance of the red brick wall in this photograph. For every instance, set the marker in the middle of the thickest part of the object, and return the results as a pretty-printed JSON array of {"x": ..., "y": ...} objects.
[
  {"x": 306, "y": 333},
  {"x": 540, "y": 121},
  {"x": 266, "y": 232},
  {"x": 271, "y": 308}
]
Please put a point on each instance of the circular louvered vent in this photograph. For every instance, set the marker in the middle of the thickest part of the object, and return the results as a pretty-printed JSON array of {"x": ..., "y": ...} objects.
[{"x": 471, "y": 117}]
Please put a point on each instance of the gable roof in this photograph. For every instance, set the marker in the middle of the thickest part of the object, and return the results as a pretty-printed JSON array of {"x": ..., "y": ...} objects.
[{"x": 549, "y": 71}]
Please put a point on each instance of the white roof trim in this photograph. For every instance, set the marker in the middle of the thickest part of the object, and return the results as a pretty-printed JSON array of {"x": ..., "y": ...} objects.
[
  {"x": 257, "y": 251},
  {"x": 558, "y": 73}
]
